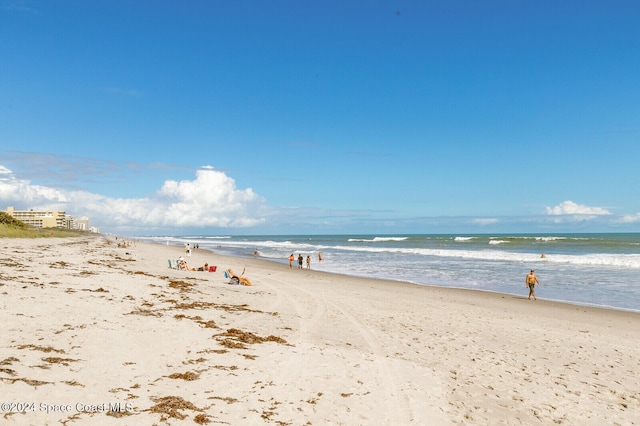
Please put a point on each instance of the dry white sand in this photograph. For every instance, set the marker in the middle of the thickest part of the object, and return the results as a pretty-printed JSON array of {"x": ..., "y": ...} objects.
[{"x": 97, "y": 334}]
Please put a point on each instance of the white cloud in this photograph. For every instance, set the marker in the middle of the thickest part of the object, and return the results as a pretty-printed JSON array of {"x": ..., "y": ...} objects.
[
  {"x": 210, "y": 200},
  {"x": 485, "y": 221},
  {"x": 12, "y": 188},
  {"x": 571, "y": 208},
  {"x": 630, "y": 218}
]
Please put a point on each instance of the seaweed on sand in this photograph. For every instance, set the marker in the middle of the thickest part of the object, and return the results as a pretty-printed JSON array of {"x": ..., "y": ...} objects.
[
  {"x": 170, "y": 406},
  {"x": 236, "y": 339}
]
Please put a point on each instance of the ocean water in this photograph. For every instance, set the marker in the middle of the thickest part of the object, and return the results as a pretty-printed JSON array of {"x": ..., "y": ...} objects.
[{"x": 584, "y": 269}]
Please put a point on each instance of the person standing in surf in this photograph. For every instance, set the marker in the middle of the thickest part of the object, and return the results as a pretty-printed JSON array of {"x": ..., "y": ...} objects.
[{"x": 531, "y": 282}]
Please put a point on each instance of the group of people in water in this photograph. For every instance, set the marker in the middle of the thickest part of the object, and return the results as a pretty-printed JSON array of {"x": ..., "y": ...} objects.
[{"x": 301, "y": 260}]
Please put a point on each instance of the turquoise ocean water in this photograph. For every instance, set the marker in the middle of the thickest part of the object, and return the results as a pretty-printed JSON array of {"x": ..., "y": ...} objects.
[{"x": 584, "y": 269}]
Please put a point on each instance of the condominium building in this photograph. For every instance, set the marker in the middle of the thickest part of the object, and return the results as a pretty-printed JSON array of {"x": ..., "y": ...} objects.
[{"x": 49, "y": 219}]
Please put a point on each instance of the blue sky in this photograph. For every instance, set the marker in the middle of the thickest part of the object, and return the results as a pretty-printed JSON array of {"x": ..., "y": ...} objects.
[{"x": 296, "y": 117}]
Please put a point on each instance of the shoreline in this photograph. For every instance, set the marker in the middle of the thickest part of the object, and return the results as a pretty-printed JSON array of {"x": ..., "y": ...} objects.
[
  {"x": 405, "y": 282},
  {"x": 89, "y": 323},
  {"x": 601, "y": 284}
]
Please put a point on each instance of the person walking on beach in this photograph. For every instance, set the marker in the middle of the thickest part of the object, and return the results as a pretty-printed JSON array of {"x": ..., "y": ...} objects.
[
  {"x": 531, "y": 282},
  {"x": 291, "y": 261},
  {"x": 308, "y": 262},
  {"x": 300, "y": 261}
]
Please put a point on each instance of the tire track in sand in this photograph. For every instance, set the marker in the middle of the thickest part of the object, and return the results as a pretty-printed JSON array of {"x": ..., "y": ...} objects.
[{"x": 398, "y": 384}]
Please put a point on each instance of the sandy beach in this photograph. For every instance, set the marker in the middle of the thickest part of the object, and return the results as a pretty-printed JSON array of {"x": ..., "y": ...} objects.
[{"x": 98, "y": 334}]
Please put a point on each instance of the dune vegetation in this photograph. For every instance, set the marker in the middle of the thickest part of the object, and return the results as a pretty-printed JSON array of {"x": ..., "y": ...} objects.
[{"x": 13, "y": 228}]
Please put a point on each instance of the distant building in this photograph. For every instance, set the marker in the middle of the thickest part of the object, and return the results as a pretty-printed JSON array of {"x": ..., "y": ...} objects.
[
  {"x": 50, "y": 219},
  {"x": 81, "y": 224},
  {"x": 39, "y": 219}
]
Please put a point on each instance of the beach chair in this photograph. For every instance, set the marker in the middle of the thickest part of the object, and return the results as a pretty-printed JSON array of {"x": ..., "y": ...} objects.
[{"x": 172, "y": 264}]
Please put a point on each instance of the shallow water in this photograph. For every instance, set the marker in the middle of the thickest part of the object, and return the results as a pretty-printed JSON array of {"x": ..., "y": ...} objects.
[{"x": 586, "y": 269}]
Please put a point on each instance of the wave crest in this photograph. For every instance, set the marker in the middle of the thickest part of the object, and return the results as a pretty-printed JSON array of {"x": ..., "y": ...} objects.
[{"x": 376, "y": 239}]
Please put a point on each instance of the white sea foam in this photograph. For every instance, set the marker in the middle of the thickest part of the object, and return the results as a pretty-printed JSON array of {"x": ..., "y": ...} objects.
[
  {"x": 594, "y": 269},
  {"x": 550, "y": 238},
  {"x": 618, "y": 260},
  {"x": 279, "y": 249},
  {"x": 376, "y": 239}
]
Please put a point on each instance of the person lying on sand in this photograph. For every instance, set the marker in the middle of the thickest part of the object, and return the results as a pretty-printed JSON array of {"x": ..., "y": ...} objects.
[
  {"x": 238, "y": 279},
  {"x": 183, "y": 265}
]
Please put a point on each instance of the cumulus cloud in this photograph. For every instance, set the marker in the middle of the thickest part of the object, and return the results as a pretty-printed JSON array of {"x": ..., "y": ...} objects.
[
  {"x": 12, "y": 188},
  {"x": 210, "y": 200},
  {"x": 571, "y": 208}
]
